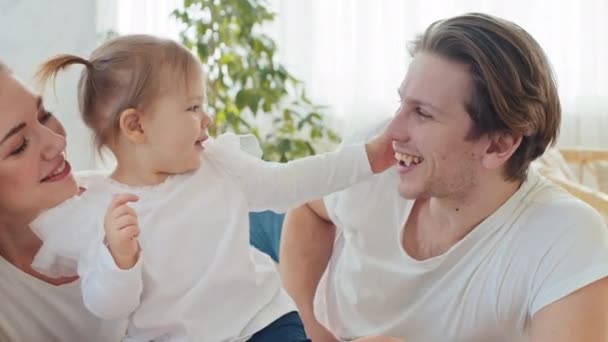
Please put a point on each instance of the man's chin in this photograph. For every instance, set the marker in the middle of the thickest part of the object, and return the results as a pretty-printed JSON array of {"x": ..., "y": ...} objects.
[{"x": 408, "y": 193}]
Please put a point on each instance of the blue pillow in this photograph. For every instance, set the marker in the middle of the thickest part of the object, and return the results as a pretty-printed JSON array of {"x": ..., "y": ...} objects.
[{"x": 265, "y": 232}]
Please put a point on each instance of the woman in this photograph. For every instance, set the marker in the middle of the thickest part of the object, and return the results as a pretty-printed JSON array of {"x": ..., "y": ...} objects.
[{"x": 33, "y": 177}]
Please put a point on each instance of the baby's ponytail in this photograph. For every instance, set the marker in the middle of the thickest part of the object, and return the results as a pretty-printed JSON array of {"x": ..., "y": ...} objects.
[{"x": 51, "y": 67}]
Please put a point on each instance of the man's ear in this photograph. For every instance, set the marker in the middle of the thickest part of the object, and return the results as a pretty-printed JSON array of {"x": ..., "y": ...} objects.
[
  {"x": 130, "y": 123},
  {"x": 501, "y": 147}
]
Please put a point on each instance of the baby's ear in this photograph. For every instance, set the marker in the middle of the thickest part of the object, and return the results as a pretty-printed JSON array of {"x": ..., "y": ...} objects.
[{"x": 131, "y": 126}]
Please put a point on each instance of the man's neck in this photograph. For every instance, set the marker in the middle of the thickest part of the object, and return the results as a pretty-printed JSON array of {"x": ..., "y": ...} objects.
[{"x": 439, "y": 223}]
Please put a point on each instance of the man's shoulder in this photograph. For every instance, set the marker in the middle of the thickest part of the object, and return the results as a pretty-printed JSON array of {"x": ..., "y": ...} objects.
[
  {"x": 560, "y": 244},
  {"x": 553, "y": 220},
  {"x": 550, "y": 204}
]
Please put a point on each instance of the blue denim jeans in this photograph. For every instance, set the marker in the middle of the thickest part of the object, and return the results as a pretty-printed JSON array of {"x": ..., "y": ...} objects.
[
  {"x": 288, "y": 328},
  {"x": 265, "y": 235}
]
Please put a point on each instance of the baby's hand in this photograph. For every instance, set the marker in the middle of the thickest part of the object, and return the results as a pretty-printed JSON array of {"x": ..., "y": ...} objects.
[
  {"x": 122, "y": 230},
  {"x": 380, "y": 152}
]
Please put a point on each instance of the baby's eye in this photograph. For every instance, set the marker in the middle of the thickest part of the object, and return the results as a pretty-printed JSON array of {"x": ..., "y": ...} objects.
[{"x": 194, "y": 108}]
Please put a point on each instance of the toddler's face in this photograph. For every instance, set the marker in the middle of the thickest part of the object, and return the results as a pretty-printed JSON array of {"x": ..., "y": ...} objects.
[{"x": 176, "y": 127}]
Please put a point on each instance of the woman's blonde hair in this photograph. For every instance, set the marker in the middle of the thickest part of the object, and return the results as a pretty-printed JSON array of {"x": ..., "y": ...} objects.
[{"x": 125, "y": 72}]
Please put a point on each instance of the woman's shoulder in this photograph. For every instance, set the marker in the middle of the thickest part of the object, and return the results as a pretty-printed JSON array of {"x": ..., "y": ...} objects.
[{"x": 33, "y": 310}]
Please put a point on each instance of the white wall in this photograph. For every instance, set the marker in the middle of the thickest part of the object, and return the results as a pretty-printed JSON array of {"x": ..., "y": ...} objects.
[{"x": 33, "y": 30}]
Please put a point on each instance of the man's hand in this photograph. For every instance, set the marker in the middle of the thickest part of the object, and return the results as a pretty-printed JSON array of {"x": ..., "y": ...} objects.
[{"x": 122, "y": 229}]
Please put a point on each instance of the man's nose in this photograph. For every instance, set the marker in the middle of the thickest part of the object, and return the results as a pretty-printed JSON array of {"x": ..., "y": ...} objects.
[{"x": 398, "y": 127}]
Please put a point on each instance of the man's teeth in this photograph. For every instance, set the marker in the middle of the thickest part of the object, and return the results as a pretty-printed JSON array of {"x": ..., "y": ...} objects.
[{"x": 407, "y": 159}]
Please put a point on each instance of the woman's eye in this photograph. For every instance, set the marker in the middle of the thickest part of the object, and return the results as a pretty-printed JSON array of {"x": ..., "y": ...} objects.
[
  {"x": 194, "y": 108},
  {"x": 20, "y": 148},
  {"x": 46, "y": 116}
]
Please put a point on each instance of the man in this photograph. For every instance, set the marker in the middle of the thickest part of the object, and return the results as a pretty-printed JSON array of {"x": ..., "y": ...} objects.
[{"x": 461, "y": 241}]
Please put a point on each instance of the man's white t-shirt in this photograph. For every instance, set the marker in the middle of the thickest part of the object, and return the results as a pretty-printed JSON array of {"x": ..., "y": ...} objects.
[
  {"x": 32, "y": 310},
  {"x": 540, "y": 246}
]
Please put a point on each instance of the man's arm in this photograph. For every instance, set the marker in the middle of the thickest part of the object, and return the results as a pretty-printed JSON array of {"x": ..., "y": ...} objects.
[
  {"x": 580, "y": 316},
  {"x": 306, "y": 247}
]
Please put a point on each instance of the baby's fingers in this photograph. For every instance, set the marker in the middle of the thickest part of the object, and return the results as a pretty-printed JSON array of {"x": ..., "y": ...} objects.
[
  {"x": 121, "y": 199},
  {"x": 123, "y": 210},
  {"x": 123, "y": 222},
  {"x": 129, "y": 232}
]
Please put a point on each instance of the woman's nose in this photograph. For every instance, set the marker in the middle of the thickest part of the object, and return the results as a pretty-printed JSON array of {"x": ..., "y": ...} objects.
[{"x": 52, "y": 143}]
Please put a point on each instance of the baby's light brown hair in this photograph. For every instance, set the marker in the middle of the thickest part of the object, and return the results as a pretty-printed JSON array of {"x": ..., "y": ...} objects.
[{"x": 125, "y": 72}]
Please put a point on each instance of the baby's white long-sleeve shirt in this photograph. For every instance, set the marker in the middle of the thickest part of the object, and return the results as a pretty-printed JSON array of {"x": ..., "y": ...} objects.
[{"x": 197, "y": 277}]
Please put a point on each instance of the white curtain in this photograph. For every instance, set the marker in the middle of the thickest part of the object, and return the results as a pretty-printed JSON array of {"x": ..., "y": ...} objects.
[
  {"x": 148, "y": 16},
  {"x": 352, "y": 54}
]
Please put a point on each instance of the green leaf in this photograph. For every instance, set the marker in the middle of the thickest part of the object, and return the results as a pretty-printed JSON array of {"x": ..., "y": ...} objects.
[
  {"x": 242, "y": 99},
  {"x": 245, "y": 81},
  {"x": 254, "y": 102}
]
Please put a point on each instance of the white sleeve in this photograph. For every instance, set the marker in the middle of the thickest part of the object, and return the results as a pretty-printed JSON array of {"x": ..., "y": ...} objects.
[
  {"x": 331, "y": 200},
  {"x": 280, "y": 186},
  {"x": 108, "y": 291},
  {"x": 577, "y": 255}
]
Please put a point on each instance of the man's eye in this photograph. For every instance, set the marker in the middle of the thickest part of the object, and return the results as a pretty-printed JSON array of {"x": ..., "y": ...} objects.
[{"x": 422, "y": 114}]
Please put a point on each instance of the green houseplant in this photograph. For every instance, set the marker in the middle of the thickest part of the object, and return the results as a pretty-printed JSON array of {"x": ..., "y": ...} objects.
[{"x": 247, "y": 88}]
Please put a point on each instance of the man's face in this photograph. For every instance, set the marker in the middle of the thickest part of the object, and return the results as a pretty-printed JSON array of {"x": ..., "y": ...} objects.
[{"x": 431, "y": 128}]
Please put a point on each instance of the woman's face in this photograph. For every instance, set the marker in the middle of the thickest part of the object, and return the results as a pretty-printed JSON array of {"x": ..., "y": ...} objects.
[{"x": 34, "y": 173}]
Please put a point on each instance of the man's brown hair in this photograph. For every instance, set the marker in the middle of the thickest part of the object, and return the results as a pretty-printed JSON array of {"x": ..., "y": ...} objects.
[{"x": 513, "y": 84}]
